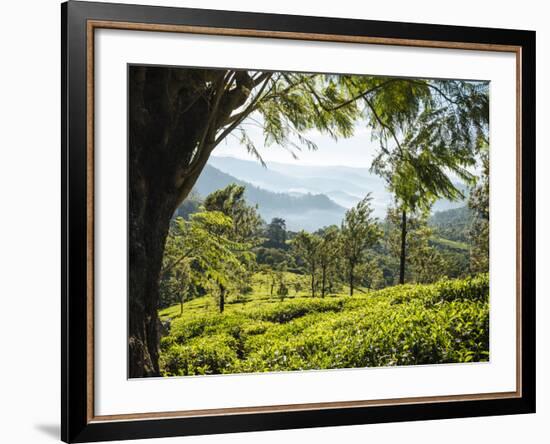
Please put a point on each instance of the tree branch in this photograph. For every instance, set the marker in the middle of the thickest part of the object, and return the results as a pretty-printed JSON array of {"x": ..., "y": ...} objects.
[
  {"x": 379, "y": 120},
  {"x": 167, "y": 269},
  {"x": 359, "y": 96},
  {"x": 200, "y": 146},
  {"x": 247, "y": 110},
  {"x": 263, "y": 76},
  {"x": 290, "y": 87},
  {"x": 242, "y": 115},
  {"x": 435, "y": 88}
]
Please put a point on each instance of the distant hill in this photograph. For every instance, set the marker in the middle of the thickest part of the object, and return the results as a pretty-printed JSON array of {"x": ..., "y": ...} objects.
[
  {"x": 301, "y": 211},
  {"x": 453, "y": 224},
  {"x": 344, "y": 185},
  {"x": 345, "y": 199},
  {"x": 285, "y": 177},
  {"x": 307, "y": 197}
]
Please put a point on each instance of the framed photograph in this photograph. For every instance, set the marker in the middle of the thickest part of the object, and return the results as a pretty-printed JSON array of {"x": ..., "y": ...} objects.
[{"x": 276, "y": 221}]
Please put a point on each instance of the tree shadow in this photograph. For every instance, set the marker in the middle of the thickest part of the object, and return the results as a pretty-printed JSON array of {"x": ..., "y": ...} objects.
[{"x": 51, "y": 430}]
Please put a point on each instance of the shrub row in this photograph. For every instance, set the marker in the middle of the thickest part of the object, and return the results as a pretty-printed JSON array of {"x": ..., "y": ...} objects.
[{"x": 446, "y": 322}]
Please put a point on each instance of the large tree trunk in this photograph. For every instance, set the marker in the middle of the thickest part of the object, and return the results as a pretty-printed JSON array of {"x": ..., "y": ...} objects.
[
  {"x": 174, "y": 116},
  {"x": 403, "y": 247},
  {"x": 148, "y": 230},
  {"x": 323, "y": 281}
]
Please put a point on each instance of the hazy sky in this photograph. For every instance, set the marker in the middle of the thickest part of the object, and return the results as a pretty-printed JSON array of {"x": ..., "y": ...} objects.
[{"x": 357, "y": 151}]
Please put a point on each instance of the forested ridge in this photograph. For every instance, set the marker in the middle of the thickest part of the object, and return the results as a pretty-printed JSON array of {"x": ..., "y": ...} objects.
[
  {"x": 271, "y": 203},
  {"x": 310, "y": 208}
]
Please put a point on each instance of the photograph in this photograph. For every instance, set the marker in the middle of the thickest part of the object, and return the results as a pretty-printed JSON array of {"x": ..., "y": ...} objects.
[{"x": 295, "y": 221}]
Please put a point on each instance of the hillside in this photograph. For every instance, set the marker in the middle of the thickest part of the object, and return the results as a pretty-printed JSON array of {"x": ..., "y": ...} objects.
[
  {"x": 300, "y": 211},
  {"x": 344, "y": 185},
  {"x": 296, "y": 177},
  {"x": 452, "y": 224},
  {"x": 446, "y": 322}
]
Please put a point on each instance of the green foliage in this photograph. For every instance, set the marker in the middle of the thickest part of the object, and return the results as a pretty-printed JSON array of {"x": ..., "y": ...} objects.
[
  {"x": 426, "y": 262},
  {"x": 479, "y": 230},
  {"x": 445, "y": 322},
  {"x": 273, "y": 257},
  {"x": 358, "y": 233},
  {"x": 292, "y": 309},
  {"x": 425, "y": 131},
  {"x": 306, "y": 247},
  {"x": 452, "y": 224},
  {"x": 373, "y": 274},
  {"x": 440, "y": 122},
  {"x": 276, "y": 234},
  {"x": 178, "y": 285},
  {"x": 230, "y": 201},
  {"x": 328, "y": 253},
  {"x": 450, "y": 244},
  {"x": 208, "y": 355},
  {"x": 211, "y": 250}
]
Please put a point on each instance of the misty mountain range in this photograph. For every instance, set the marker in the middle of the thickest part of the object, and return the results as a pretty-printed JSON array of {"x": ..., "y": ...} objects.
[
  {"x": 344, "y": 185},
  {"x": 307, "y": 197}
]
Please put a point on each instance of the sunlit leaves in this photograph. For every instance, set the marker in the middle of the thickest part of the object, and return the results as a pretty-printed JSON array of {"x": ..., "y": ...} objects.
[
  {"x": 446, "y": 322},
  {"x": 359, "y": 232},
  {"x": 479, "y": 230},
  {"x": 245, "y": 219}
]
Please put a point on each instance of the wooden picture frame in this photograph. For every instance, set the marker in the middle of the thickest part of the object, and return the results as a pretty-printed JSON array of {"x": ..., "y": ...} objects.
[{"x": 79, "y": 22}]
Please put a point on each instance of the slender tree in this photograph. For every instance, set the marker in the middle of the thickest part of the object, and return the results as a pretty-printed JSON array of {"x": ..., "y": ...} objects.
[
  {"x": 306, "y": 247},
  {"x": 297, "y": 286},
  {"x": 182, "y": 282},
  {"x": 426, "y": 264},
  {"x": 276, "y": 233},
  {"x": 282, "y": 287},
  {"x": 359, "y": 232},
  {"x": 374, "y": 276},
  {"x": 205, "y": 241},
  {"x": 177, "y": 284},
  {"x": 420, "y": 149},
  {"x": 328, "y": 252}
]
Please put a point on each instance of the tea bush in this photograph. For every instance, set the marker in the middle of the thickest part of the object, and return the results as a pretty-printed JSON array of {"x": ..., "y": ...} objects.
[{"x": 445, "y": 322}]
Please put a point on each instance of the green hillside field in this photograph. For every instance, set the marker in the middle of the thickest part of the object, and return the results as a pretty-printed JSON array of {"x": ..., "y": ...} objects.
[{"x": 445, "y": 322}]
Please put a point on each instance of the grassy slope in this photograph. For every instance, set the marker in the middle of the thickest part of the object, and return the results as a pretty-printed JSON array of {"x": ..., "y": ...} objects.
[
  {"x": 402, "y": 325},
  {"x": 460, "y": 246}
]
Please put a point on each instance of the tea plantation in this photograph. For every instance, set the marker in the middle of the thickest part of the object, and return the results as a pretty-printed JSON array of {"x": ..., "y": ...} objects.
[{"x": 445, "y": 322}]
